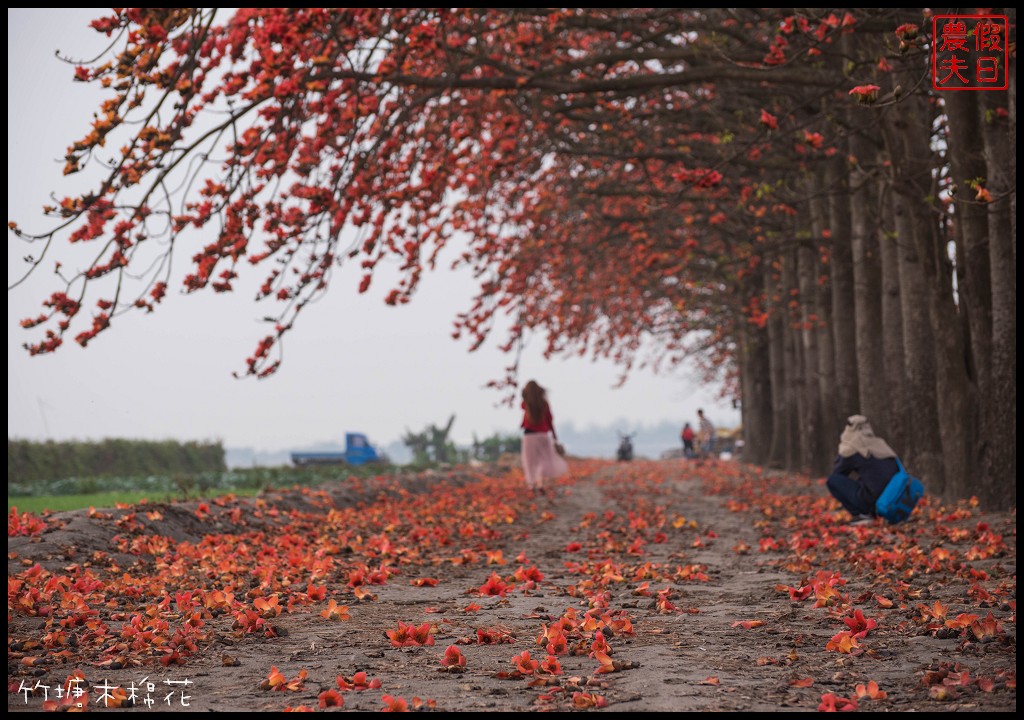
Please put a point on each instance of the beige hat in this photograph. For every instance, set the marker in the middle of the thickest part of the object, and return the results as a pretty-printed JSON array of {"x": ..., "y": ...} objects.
[{"x": 859, "y": 438}]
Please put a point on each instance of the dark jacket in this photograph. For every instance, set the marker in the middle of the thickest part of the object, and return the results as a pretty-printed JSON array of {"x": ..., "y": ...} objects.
[{"x": 872, "y": 473}]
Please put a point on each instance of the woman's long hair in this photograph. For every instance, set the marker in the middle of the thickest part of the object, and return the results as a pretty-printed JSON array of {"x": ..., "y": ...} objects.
[{"x": 536, "y": 402}]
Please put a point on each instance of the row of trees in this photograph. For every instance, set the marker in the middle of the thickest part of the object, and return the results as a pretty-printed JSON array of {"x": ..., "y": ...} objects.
[
  {"x": 778, "y": 193},
  {"x": 29, "y": 461}
]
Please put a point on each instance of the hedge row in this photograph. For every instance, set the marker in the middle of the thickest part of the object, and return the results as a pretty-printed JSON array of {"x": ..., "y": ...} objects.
[{"x": 29, "y": 461}]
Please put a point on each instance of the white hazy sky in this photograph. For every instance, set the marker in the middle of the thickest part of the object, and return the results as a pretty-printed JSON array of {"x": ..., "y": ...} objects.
[{"x": 351, "y": 364}]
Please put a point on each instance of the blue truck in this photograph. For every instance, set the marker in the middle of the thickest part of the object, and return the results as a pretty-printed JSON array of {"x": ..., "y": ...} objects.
[{"x": 358, "y": 451}]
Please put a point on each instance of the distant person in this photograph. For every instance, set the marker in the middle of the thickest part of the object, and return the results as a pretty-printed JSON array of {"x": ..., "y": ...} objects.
[
  {"x": 705, "y": 434},
  {"x": 863, "y": 468},
  {"x": 541, "y": 460},
  {"x": 625, "y": 449},
  {"x": 688, "y": 436}
]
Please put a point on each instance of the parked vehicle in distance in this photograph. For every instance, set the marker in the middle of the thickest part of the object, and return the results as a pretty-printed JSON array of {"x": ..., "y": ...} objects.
[{"x": 358, "y": 451}]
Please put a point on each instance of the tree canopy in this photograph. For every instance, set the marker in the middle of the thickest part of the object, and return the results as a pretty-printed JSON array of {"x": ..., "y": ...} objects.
[{"x": 717, "y": 180}]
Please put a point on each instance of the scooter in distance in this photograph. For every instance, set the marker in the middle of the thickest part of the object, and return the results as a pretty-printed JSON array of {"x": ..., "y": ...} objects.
[{"x": 625, "y": 451}]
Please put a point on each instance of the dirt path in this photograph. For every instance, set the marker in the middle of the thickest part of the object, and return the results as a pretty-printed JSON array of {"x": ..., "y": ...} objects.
[{"x": 683, "y": 570}]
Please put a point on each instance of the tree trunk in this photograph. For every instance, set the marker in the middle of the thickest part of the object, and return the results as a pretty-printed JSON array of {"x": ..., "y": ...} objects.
[
  {"x": 911, "y": 185},
  {"x": 967, "y": 161},
  {"x": 810, "y": 430},
  {"x": 892, "y": 327},
  {"x": 1011, "y": 157},
  {"x": 827, "y": 434},
  {"x": 776, "y": 358},
  {"x": 796, "y": 441},
  {"x": 756, "y": 406},
  {"x": 841, "y": 276},
  {"x": 999, "y": 405},
  {"x": 867, "y": 279}
]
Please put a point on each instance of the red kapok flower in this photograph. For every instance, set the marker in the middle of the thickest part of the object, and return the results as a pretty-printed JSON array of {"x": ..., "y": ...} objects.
[
  {"x": 865, "y": 94},
  {"x": 907, "y": 31},
  {"x": 453, "y": 658}
]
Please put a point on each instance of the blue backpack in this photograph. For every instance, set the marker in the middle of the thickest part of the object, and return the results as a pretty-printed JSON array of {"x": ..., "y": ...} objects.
[{"x": 897, "y": 501}]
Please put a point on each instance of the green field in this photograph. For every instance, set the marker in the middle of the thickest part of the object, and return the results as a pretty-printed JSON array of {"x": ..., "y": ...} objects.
[
  {"x": 56, "y": 503},
  {"x": 72, "y": 493}
]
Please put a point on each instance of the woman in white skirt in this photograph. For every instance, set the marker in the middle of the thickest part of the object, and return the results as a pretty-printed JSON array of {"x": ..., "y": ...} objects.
[{"x": 541, "y": 460}]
